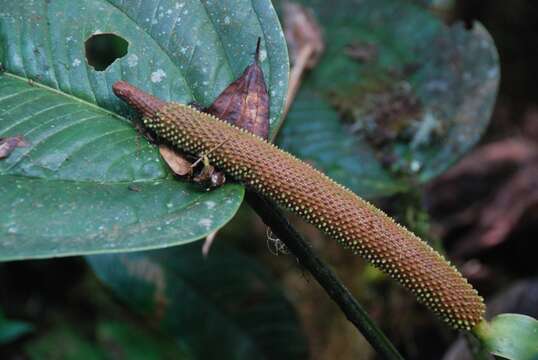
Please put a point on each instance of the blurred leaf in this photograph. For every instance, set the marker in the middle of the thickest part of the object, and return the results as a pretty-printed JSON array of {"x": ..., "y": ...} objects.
[
  {"x": 511, "y": 336},
  {"x": 224, "y": 306},
  {"x": 113, "y": 340},
  {"x": 11, "y": 330},
  {"x": 419, "y": 95},
  {"x": 93, "y": 326},
  {"x": 314, "y": 133},
  {"x": 67, "y": 193},
  {"x": 63, "y": 343},
  {"x": 126, "y": 341},
  {"x": 443, "y": 6}
]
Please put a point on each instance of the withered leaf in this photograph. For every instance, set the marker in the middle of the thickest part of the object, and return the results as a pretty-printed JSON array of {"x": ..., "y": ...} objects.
[
  {"x": 303, "y": 34},
  {"x": 178, "y": 164},
  {"x": 245, "y": 102},
  {"x": 208, "y": 242},
  {"x": 306, "y": 45},
  {"x": 7, "y": 145},
  {"x": 500, "y": 208}
]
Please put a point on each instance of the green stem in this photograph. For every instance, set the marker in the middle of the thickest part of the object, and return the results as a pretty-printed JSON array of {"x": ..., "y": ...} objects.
[
  {"x": 275, "y": 219},
  {"x": 476, "y": 341}
]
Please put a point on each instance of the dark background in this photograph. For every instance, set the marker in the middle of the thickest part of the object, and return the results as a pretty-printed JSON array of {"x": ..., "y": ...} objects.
[{"x": 485, "y": 211}]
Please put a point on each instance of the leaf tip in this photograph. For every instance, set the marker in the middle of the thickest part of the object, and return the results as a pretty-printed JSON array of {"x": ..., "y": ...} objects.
[{"x": 257, "y": 53}]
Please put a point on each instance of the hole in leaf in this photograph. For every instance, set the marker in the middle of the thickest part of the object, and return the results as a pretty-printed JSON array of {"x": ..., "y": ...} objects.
[{"x": 103, "y": 49}]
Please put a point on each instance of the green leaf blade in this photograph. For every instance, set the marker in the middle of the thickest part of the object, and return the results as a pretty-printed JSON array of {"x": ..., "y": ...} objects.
[
  {"x": 70, "y": 139},
  {"x": 419, "y": 97},
  {"x": 511, "y": 336},
  {"x": 119, "y": 215},
  {"x": 81, "y": 142},
  {"x": 226, "y": 300},
  {"x": 313, "y": 132}
]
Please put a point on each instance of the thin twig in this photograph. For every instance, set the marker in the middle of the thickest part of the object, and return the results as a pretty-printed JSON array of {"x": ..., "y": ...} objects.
[
  {"x": 275, "y": 219},
  {"x": 194, "y": 164},
  {"x": 209, "y": 239},
  {"x": 294, "y": 83}
]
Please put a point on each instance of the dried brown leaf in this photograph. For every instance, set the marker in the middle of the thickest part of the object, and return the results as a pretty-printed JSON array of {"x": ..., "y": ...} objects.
[
  {"x": 305, "y": 44},
  {"x": 506, "y": 210},
  {"x": 499, "y": 182},
  {"x": 7, "y": 145},
  {"x": 302, "y": 31},
  {"x": 208, "y": 243},
  {"x": 493, "y": 157},
  {"x": 175, "y": 161},
  {"x": 245, "y": 102}
]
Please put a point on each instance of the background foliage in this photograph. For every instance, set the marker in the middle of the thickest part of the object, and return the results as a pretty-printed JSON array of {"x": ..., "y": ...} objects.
[{"x": 88, "y": 184}]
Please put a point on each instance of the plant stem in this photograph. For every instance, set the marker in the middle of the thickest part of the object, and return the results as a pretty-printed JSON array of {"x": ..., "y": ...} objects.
[{"x": 273, "y": 217}]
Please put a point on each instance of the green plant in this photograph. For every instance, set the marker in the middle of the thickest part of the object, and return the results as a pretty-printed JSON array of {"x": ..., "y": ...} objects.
[{"x": 83, "y": 183}]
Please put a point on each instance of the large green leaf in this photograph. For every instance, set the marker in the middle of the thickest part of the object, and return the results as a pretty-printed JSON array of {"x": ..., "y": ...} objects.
[
  {"x": 417, "y": 96},
  {"x": 92, "y": 217},
  {"x": 223, "y": 306},
  {"x": 112, "y": 340},
  {"x": 314, "y": 133},
  {"x": 511, "y": 336},
  {"x": 87, "y": 183},
  {"x": 136, "y": 343}
]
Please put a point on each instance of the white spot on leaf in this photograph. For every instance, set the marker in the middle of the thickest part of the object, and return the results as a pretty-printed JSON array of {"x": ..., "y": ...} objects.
[
  {"x": 210, "y": 204},
  {"x": 158, "y": 76},
  {"x": 205, "y": 222},
  {"x": 263, "y": 55},
  {"x": 132, "y": 60}
]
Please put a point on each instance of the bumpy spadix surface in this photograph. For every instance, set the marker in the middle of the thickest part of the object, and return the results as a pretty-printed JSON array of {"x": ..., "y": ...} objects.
[{"x": 338, "y": 212}]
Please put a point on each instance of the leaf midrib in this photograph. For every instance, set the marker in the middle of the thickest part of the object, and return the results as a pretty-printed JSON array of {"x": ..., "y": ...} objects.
[
  {"x": 108, "y": 183},
  {"x": 69, "y": 96}
]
